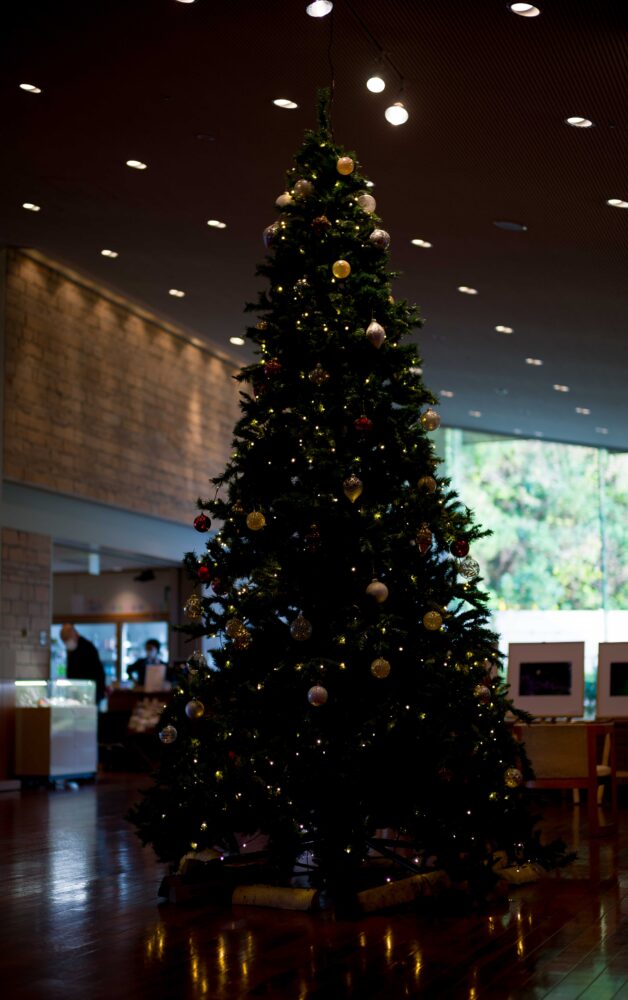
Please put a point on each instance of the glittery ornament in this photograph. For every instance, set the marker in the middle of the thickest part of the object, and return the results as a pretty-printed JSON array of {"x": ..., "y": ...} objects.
[
  {"x": 432, "y": 620},
  {"x": 352, "y": 487},
  {"x": 512, "y": 777},
  {"x": 202, "y": 522},
  {"x": 482, "y": 693},
  {"x": 363, "y": 424},
  {"x": 345, "y": 166},
  {"x": 303, "y": 189},
  {"x": 469, "y": 568},
  {"x": 341, "y": 269},
  {"x": 321, "y": 224},
  {"x": 367, "y": 202},
  {"x": 376, "y": 334},
  {"x": 378, "y": 590},
  {"x": 262, "y": 324},
  {"x": 312, "y": 540},
  {"x": 427, "y": 483},
  {"x": 424, "y": 539},
  {"x": 270, "y": 234},
  {"x": 283, "y": 200},
  {"x": 301, "y": 629},
  {"x": 380, "y": 668},
  {"x": 193, "y": 608},
  {"x": 459, "y": 548},
  {"x": 317, "y": 695},
  {"x": 243, "y": 640},
  {"x": 380, "y": 238},
  {"x": 234, "y": 627},
  {"x": 204, "y": 573},
  {"x": 255, "y": 520},
  {"x": 168, "y": 734},
  {"x": 238, "y": 507},
  {"x": 318, "y": 375},
  {"x": 430, "y": 420},
  {"x": 272, "y": 367},
  {"x": 195, "y": 709}
]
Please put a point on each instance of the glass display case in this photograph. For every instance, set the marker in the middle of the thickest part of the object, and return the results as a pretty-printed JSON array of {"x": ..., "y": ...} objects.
[{"x": 56, "y": 729}]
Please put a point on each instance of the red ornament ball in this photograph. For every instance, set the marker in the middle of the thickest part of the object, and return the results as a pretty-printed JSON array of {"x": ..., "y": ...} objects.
[
  {"x": 272, "y": 367},
  {"x": 363, "y": 424},
  {"x": 459, "y": 548},
  {"x": 204, "y": 573},
  {"x": 202, "y": 522}
]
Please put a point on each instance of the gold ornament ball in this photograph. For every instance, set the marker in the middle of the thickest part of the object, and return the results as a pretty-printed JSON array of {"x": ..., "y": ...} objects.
[
  {"x": 512, "y": 777},
  {"x": 482, "y": 693},
  {"x": 345, "y": 166},
  {"x": 427, "y": 483},
  {"x": 352, "y": 488},
  {"x": 317, "y": 695},
  {"x": 195, "y": 709},
  {"x": 380, "y": 668},
  {"x": 430, "y": 420},
  {"x": 301, "y": 629},
  {"x": 341, "y": 269},
  {"x": 303, "y": 189},
  {"x": 378, "y": 590},
  {"x": 255, "y": 520},
  {"x": 243, "y": 640},
  {"x": 432, "y": 620},
  {"x": 235, "y": 627},
  {"x": 193, "y": 608}
]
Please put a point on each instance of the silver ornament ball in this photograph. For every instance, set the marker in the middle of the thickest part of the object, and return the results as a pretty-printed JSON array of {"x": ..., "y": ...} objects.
[{"x": 168, "y": 734}]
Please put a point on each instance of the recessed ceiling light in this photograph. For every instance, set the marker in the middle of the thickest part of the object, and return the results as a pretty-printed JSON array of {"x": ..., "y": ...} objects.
[
  {"x": 510, "y": 226},
  {"x": 578, "y": 122},
  {"x": 525, "y": 9},
  {"x": 504, "y": 329},
  {"x": 601, "y": 430},
  {"x": 109, "y": 253},
  {"x": 136, "y": 164},
  {"x": 447, "y": 393},
  {"x": 420, "y": 243},
  {"x": 176, "y": 293},
  {"x": 376, "y": 84},
  {"x": 466, "y": 290},
  {"x": 185, "y": 1},
  {"x": 561, "y": 388},
  {"x": 30, "y": 207},
  {"x": 396, "y": 114},
  {"x": 319, "y": 8},
  {"x": 475, "y": 413},
  {"x": 237, "y": 341},
  {"x": 216, "y": 224},
  {"x": 584, "y": 411},
  {"x": 31, "y": 88},
  {"x": 283, "y": 102},
  {"x": 617, "y": 202},
  {"x": 534, "y": 361}
]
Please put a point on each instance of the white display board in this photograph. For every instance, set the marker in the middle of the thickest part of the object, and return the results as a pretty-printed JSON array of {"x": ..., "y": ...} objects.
[
  {"x": 612, "y": 680},
  {"x": 547, "y": 678}
]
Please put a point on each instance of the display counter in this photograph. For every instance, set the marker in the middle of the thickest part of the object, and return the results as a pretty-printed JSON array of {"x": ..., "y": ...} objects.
[{"x": 56, "y": 724}]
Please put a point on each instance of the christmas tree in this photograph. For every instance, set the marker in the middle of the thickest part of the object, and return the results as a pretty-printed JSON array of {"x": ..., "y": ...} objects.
[{"x": 352, "y": 690}]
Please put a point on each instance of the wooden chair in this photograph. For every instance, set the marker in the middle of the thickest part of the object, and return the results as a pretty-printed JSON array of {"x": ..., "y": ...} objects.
[{"x": 565, "y": 755}]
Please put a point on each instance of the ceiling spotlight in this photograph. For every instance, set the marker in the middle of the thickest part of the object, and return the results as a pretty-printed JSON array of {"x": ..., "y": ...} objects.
[
  {"x": 216, "y": 224},
  {"x": 601, "y": 430},
  {"x": 446, "y": 393},
  {"x": 109, "y": 253},
  {"x": 396, "y": 114},
  {"x": 579, "y": 122},
  {"x": 319, "y": 8},
  {"x": 284, "y": 102},
  {"x": 136, "y": 164},
  {"x": 534, "y": 361},
  {"x": 560, "y": 388},
  {"x": 525, "y": 9},
  {"x": 176, "y": 293},
  {"x": 376, "y": 84},
  {"x": 420, "y": 243},
  {"x": 584, "y": 411},
  {"x": 475, "y": 413},
  {"x": 31, "y": 88},
  {"x": 617, "y": 202},
  {"x": 237, "y": 341},
  {"x": 504, "y": 329},
  {"x": 466, "y": 290},
  {"x": 28, "y": 205},
  {"x": 185, "y": 1}
]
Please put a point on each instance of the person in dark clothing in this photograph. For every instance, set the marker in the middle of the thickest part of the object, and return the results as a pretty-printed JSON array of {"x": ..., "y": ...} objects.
[
  {"x": 83, "y": 661},
  {"x": 137, "y": 670}
]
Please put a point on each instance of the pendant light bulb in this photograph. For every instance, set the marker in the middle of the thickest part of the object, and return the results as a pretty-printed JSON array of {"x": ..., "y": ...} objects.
[
  {"x": 396, "y": 114},
  {"x": 319, "y": 8},
  {"x": 376, "y": 84}
]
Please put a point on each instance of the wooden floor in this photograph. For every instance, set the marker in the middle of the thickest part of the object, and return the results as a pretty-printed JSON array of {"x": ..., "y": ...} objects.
[{"x": 79, "y": 918}]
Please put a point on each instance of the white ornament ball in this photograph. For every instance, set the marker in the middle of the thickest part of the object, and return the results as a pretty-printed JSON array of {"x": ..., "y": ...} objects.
[
  {"x": 376, "y": 334},
  {"x": 367, "y": 202},
  {"x": 378, "y": 590},
  {"x": 284, "y": 199},
  {"x": 168, "y": 734},
  {"x": 317, "y": 695}
]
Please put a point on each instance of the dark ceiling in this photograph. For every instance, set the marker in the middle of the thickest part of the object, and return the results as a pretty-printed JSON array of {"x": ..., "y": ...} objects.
[{"x": 188, "y": 88}]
